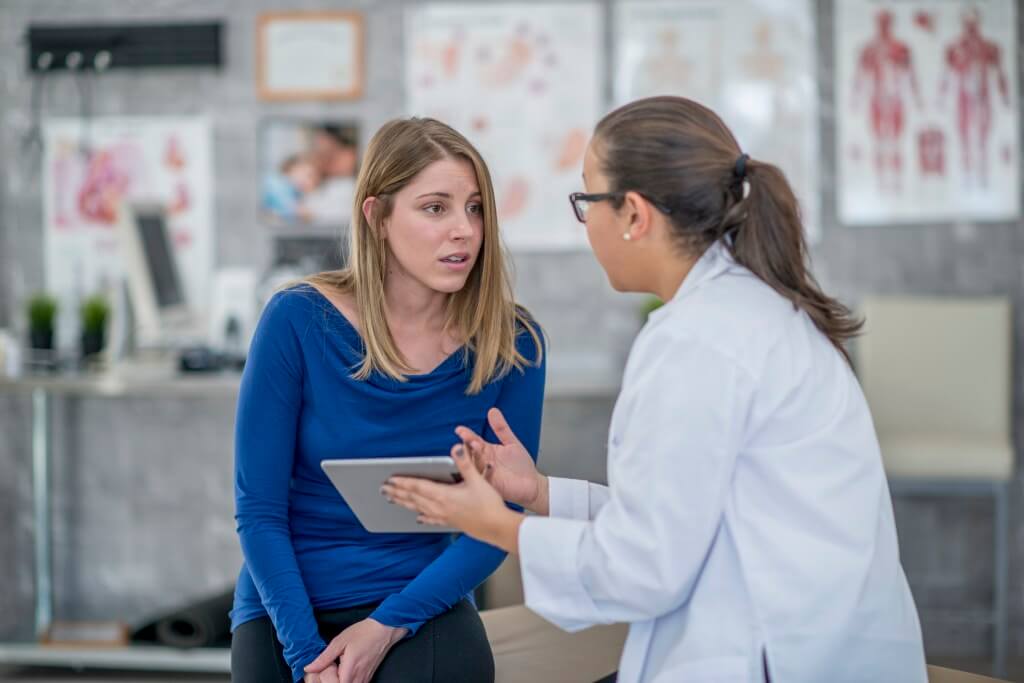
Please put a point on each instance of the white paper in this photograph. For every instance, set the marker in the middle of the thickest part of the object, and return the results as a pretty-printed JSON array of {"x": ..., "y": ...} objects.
[
  {"x": 89, "y": 169},
  {"x": 523, "y": 83},
  {"x": 311, "y": 55},
  {"x": 234, "y": 295},
  {"x": 751, "y": 61},
  {"x": 926, "y": 107}
]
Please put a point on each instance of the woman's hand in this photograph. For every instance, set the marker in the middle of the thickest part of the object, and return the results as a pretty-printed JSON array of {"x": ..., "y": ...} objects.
[
  {"x": 472, "y": 505},
  {"x": 360, "y": 648},
  {"x": 507, "y": 466},
  {"x": 328, "y": 675}
]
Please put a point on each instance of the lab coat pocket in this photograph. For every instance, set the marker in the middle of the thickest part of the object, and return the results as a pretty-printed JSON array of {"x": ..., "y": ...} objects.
[{"x": 708, "y": 670}]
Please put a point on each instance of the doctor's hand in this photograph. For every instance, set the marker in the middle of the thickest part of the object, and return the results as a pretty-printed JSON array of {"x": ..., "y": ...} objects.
[
  {"x": 507, "y": 465},
  {"x": 472, "y": 505},
  {"x": 354, "y": 654}
]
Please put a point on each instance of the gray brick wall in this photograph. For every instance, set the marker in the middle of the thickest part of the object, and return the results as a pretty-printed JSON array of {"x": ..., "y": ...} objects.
[{"x": 142, "y": 488}]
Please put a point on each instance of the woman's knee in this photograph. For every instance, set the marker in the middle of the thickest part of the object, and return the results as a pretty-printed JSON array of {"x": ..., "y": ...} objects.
[
  {"x": 462, "y": 652},
  {"x": 451, "y": 648},
  {"x": 256, "y": 655}
]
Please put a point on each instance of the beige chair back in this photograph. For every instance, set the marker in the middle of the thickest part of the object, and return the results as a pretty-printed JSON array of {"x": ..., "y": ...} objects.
[{"x": 937, "y": 366}]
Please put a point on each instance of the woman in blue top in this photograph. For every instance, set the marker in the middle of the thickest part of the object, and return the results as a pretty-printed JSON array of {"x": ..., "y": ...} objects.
[{"x": 382, "y": 359}]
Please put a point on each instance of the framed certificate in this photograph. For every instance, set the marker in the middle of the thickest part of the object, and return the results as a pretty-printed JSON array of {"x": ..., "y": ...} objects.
[{"x": 309, "y": 56}]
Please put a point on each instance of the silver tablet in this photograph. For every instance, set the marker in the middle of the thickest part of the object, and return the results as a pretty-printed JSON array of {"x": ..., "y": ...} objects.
[{"x": 359, "y": 480}]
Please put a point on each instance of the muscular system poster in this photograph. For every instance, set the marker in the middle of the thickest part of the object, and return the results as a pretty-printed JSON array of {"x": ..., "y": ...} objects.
[{"x": 926, "y": 107}]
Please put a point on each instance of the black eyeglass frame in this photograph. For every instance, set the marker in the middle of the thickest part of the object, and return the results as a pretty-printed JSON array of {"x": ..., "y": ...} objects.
[{"x": 605, "y": 196}]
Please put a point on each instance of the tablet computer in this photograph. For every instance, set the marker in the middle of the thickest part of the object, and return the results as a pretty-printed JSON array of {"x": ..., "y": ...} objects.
[{"x": 358, "y": 480}]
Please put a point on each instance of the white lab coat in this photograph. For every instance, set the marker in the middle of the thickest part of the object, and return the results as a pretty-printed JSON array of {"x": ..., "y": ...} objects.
[{"x": 747, "y": 525}]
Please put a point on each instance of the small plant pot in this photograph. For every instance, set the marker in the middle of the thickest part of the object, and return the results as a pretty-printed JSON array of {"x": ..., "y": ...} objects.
[
  {"x": 92, "y": 343},
  {"x": 41, "y": 339}
]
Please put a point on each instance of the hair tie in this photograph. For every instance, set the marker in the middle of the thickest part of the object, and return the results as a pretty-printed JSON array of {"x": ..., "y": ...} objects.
[{"x": 740, "y": 169}]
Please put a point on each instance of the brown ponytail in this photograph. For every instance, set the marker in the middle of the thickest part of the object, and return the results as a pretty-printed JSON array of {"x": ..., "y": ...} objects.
[{"x": 681, "y": 155}]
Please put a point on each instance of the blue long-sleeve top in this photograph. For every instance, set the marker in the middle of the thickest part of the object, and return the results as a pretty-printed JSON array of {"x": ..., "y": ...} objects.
[{"x": 298, "y": 404}]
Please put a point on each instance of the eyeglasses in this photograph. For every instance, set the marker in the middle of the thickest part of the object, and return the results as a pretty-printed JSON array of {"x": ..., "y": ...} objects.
[{"x": 581, "y": 202}]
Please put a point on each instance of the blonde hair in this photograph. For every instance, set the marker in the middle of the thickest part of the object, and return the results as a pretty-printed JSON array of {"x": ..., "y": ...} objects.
[{"x": 483, "y": 313}]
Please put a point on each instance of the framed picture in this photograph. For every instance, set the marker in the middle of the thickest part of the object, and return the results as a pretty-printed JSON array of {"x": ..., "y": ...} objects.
[
  {"x": 309, "y": 56},
  {"x": 308, "y": 173},
  {"x": 753, "y": 62},
  {"x": 927, "y": 112},
  {"x": 525, "y": 81}
]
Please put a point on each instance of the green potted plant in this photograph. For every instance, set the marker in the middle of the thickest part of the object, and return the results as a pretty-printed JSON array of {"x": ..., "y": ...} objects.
[
  {"x": 650, "y": 305},
  {"x": 42, "y": 314},
  {"x": 95, "y": 311}
]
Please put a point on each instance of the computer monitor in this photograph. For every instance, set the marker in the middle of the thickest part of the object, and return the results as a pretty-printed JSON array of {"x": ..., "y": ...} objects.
[{"x": 158, "y": 299}]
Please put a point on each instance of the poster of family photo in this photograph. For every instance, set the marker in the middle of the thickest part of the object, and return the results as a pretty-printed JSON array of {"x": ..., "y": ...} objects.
[{"x": 308, "y": 175}]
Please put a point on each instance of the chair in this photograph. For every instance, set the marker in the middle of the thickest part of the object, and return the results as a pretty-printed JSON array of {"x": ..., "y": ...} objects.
[
  {"x": 503, "y": 588},
  {"x": 938, "y": 674},
  {"x": 937, "y": 373},
  {"x": 528, "y": 649}
]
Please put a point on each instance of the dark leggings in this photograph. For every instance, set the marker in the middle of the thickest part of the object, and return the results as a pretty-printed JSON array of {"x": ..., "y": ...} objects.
[{"x": 450, "y": 648}]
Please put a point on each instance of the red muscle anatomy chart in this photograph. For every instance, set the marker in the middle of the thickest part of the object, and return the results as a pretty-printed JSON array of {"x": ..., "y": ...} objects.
[
  {"x": 971, "y": 62},
  {"x": 885, "y": 84},
  {"x": 926, "y": 114}
]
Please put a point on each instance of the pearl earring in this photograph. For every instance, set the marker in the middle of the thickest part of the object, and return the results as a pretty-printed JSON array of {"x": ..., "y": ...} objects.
[{"x": 626, "y": 236}]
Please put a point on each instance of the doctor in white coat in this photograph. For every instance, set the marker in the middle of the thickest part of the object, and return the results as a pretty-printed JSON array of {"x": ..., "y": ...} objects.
[{"x": 747, "y": 530}]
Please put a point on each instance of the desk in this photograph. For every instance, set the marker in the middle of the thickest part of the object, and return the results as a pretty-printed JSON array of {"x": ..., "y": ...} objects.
[
  {"x": 133, "y": 658},
  {"x": 150, "y": 380}
]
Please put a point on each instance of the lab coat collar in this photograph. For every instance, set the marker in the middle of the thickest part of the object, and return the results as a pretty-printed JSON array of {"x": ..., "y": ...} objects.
[{"x": 715, "y": 260}]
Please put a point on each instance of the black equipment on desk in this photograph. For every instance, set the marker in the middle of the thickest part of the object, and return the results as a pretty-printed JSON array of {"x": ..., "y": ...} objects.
[{"x": 206, "y": 359}]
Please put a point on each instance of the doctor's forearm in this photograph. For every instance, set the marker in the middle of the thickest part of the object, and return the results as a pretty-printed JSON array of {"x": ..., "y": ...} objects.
[
  {"x": 541, "y": 504},
  {"x": 500, "y": 530}
]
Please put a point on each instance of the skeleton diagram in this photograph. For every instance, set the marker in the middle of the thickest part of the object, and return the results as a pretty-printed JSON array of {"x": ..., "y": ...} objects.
[
  {"x": 666, "y": 69},
  {"x": 884, "y": 67}
]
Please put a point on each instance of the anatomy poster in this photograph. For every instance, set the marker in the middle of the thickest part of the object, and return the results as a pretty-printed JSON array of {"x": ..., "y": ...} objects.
[
  {"x": 90, "y": 168},
  {"x": 752, "y": 61},
  {"x": 927, "y": 111},
  {"x": 523, "y": 83}
]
